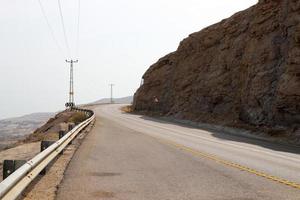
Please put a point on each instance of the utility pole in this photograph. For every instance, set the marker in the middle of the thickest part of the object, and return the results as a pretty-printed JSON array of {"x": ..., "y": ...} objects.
[
  {"x": 111, "y": 93},
  {"x": 71, "y": 103}
]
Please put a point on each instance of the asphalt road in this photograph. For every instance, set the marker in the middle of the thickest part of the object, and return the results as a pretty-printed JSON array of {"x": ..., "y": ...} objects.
[{"x": 135, "y": 157}]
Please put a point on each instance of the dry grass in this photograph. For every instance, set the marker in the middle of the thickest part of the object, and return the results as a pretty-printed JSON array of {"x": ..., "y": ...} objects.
[
  {"x": 50, "y": 130},
  {"x": 127, "y": 109},
  {"x": 77, "y": 118}
]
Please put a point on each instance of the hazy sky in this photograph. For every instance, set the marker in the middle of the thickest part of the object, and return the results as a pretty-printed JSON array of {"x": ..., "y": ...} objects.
[{"x": 119, "y": 40}]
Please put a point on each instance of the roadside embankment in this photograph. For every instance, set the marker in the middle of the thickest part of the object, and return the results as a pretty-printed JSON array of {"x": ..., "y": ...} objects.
[{"x": 50, "y": 130}]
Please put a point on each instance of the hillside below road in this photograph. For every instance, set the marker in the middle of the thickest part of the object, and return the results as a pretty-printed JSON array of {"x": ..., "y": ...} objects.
[{"x": 132, "y": 157}]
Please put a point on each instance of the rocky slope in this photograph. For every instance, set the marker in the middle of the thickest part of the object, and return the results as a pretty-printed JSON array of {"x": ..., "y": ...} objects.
[{"x": 242, "y": 70}]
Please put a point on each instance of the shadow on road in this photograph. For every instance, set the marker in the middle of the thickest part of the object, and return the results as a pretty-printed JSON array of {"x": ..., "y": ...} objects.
[{"x": 226, "y": 135}]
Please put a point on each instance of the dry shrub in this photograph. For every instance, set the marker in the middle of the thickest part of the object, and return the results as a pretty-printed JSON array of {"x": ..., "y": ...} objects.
[
  {"x": 127, "y": 109},
  {"x": 77, "y": 118}
]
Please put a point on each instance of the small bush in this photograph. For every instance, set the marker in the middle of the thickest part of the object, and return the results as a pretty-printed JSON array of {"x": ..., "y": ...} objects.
[
  {"x": 127, "y": 109},
  {"x": 77, "y": 118}
]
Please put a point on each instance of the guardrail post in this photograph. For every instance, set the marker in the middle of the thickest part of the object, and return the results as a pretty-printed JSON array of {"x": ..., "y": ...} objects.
[
  {"x": 45, "y": 145},
  {"x": 61, "y": 134},
  {"x": 9, "y": 166},
  {"x": 70, "y": 127}
]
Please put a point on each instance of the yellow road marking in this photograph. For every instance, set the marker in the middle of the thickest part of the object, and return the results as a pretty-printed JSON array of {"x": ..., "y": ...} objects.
[{"x": 231, "y": 164}]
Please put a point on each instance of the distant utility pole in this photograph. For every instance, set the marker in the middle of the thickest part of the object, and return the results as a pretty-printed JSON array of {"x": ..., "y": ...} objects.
[
  {"x": 111, "y": 93},
  {"x": 71, "y": 103}
]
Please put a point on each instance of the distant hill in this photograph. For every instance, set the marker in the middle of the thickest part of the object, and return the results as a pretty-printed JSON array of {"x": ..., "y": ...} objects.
[
  {"x": 12, "y": 129},
  {"x": 43, "y": 116},
  {"x": 123, "y": 100}
]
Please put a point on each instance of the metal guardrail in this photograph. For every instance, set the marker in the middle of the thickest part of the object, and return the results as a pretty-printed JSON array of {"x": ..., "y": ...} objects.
[{"x": 13, "y": 185}]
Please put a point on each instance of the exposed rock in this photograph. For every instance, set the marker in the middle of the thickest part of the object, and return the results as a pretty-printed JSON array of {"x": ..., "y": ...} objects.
[{"x": 244, "y": 69}]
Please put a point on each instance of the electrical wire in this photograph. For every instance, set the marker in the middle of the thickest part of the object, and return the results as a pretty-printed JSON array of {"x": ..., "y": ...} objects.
[
  {"x": 64, "y": 28},
  {"x": 51, "y": 29},
  {"x": 78, "y": 26}
]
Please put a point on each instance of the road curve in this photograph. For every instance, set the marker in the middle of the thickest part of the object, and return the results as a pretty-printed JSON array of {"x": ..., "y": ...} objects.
[{"x": 136, "y": 157}]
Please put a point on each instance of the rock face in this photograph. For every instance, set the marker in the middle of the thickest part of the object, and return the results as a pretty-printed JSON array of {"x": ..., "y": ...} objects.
[{"x": 243, "y": 69}]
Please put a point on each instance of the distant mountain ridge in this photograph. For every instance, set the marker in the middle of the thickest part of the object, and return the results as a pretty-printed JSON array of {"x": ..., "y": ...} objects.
[
  {"x": 12, "y": 129},
  {"x": 30, "y": 117},
  {"x": 122, "y": 100}
]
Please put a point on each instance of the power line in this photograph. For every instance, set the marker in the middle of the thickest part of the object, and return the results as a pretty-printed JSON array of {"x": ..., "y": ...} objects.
[
  {"x": 50, "y": 28},
  {"x": 78, "y": 23},
  {"x": 64, "y": 28}
]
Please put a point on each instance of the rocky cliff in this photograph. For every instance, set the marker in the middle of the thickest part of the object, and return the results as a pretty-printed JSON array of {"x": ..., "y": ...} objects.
[{"x": 244, "y": 69}]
